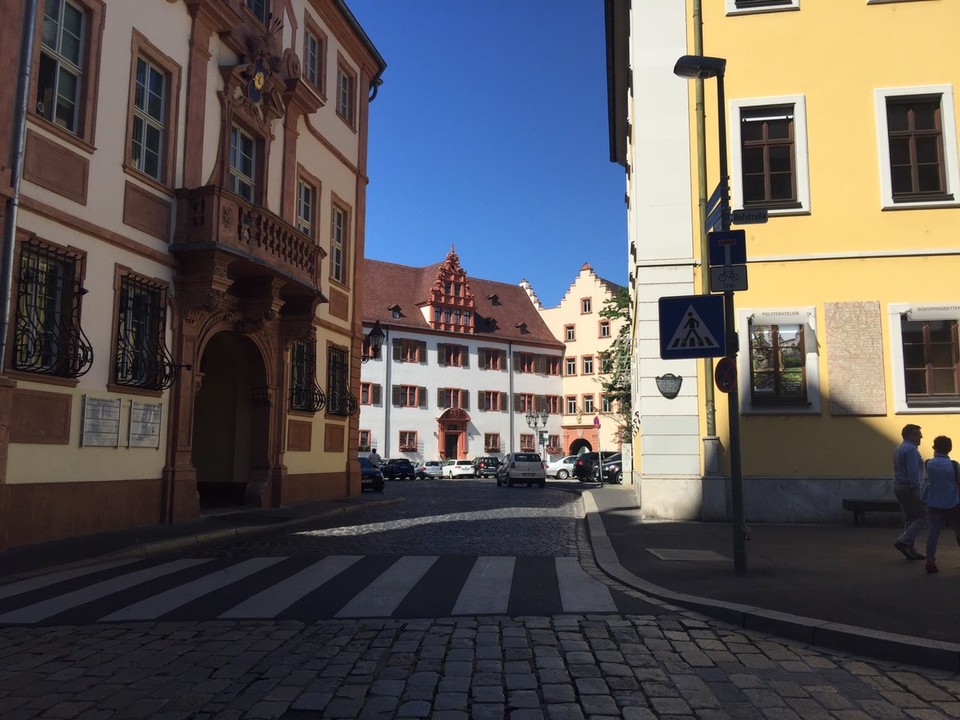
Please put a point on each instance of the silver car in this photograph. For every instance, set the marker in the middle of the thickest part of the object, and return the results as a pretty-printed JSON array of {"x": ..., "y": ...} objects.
[
  {"x": 522, "y": 467},
  {"x": 428, "y": 469}
]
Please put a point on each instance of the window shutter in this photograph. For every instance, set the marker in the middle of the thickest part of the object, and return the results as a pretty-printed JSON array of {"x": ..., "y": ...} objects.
[
  {"x": 396, "y": 395},
  {"x": 375, "y": 394},
  {"x": 503, "y": 402},
  {"x": 541, "y": 364},
  {"x": 482, "y": 358},
  {"x": 441, "y": 354},
  {"x": 517, "y": 403},
  {"x": 465, "y": 399},
  {"x": 465, "y": 356},
  {"x": 422, "y": 396},
  {"x": 422, "y": 347},
  {"x": 441, "y": 394},
  {"x": 396, "y": 351},
  {"x": 503, "y": 360}
]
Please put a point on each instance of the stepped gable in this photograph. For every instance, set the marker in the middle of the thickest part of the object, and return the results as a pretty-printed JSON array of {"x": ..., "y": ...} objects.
[{"x": 502, "y": 310}]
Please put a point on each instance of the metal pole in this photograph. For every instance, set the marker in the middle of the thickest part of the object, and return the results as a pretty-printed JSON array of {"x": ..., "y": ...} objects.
[
  {"x": 729, "y": 317},
  {"x": 18, "y": 136}
]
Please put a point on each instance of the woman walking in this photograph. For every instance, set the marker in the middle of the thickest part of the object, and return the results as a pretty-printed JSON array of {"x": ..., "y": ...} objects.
[{"x": 942, "y": 496}]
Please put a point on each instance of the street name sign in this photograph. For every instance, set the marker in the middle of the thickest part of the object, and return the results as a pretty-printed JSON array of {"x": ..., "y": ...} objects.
[
  {"x": 728, "y": 247},
  {"x": 691, "y": 326},
  {"x": 749, "y": 217}
]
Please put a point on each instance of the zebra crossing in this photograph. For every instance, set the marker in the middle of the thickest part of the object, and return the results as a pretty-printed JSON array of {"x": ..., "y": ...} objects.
[{"x": 307, "y": 588}]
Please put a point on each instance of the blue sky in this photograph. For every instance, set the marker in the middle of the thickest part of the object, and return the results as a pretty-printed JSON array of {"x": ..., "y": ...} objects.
[{"x": 489, "y": 133}]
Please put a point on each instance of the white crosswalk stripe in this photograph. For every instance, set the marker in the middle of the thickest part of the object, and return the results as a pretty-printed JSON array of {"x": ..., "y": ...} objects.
[{"x": 341, "y": 586}]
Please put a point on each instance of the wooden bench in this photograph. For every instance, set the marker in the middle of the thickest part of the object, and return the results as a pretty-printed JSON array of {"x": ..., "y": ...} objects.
[{"x": 859, "y": 507}]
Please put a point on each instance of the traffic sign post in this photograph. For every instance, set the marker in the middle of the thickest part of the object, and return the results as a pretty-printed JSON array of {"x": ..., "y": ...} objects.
[{"x": 692, "y": 326}]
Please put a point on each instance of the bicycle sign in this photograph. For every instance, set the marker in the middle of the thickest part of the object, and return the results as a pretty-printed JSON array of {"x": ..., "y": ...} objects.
[{"x": 728, "y": 278}]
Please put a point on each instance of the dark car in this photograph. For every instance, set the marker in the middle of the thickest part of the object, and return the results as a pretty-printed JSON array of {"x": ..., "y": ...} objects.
[
  {"x": 398, "y": 469},
  {"x": 613, "y": 470},
  {"x": 370, "y": 477},
  {"x": 486, "y": 466},
  {"x": 585, "y": 467}
]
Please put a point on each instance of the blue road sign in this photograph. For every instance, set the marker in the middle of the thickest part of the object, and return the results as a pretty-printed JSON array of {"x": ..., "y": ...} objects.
[
  {"x": 691, "y": 326},
  {"x": 728, "y": 248}
]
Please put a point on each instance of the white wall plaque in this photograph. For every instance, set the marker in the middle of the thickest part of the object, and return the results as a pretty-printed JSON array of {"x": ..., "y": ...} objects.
[
  {"x": 144, "y": 429},
  {"x": 101, "y": 422}
]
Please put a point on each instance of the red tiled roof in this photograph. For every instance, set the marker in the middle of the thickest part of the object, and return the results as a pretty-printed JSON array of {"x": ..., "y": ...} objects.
[{"x": 386, "y": 285}]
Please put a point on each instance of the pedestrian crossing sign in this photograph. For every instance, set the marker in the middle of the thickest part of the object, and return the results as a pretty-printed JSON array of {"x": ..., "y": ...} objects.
[{"x": 692, "y": 326}]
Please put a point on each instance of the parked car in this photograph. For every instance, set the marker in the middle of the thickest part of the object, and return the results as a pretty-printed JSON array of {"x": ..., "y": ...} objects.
[
  {"x": 429, "y": 469},
  {"x": 486, "y": 466},
  {"x": 585, "y": 467},
  {"x": 458, "y": 468},
  {"x": 398, "y": 469},
  {"x": 613, "y": 470},
  {"x": 370, "y": 477},
  {"x": 562, "y": 468},
  {"x": 522, "y": 467}
]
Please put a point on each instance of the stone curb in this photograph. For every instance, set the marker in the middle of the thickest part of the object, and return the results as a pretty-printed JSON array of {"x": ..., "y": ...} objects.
[{"x": 836, "y": 636}]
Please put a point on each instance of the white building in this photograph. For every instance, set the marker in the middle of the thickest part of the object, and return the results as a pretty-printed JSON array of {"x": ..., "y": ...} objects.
[{"x": 463, "y": 362}]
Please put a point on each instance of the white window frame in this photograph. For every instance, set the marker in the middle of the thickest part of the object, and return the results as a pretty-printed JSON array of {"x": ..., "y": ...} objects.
[
  {"x": 312, "y": 58},
  {"x": 806, "y": 315},
  {"x": 306, "y": 207},
  {"x": 339, "y": 228},
  {"x": 950, "y": 155},
  {"x": 144, "y": 120},
  {"x": 242, "y": 182},
  {"x": 732, "y": 8},
  {"x": 801, "y": 159},
  {"x": 915, "y": 311}
]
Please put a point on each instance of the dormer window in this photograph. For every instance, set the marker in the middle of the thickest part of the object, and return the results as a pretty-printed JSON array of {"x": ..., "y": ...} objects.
[
  {"x": 395, "y": 313},
  {"x": 494, "y": 299}
]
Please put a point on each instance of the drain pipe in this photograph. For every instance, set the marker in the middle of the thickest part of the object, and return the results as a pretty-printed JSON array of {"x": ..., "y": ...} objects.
[
  {"x": 18, "y": 138},
  {"x": 711, "y": 443}
]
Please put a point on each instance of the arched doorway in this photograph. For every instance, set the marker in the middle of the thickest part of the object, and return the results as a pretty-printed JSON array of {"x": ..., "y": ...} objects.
[
  {"x": 580, "y": 445},
  {"x": 231, "y": 424}
]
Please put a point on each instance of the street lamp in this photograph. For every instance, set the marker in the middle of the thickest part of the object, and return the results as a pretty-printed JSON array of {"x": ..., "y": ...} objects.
[
  {"x": 701, "y": 67},
  {"x": 372, "y": 343},
  {"x": 537, "y": 420}
]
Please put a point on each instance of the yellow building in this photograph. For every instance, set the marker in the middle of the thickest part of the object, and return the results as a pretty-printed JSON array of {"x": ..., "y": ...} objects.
[
  {"x": 589, "y": 416},
  {"x": 841, "y": 125},
  {"x": 185, "y": 230}
]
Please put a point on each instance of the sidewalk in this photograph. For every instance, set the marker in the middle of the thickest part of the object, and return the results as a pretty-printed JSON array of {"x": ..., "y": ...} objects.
[{"x": 838, "y": 586}]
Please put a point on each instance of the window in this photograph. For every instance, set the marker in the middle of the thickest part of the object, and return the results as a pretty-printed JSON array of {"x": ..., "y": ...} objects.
[
  {"x": 346, "y": 91},
  {"x": 526, "y": 363},
  {"x": 571, "y": 405},
  {"x": 408, "y": 441},
  {"x": 453, "y": 398},
  {"x": 61, "y": 78},
  {"x": 258, "y": 8},
  {"x": 339, "y": 231},
  {"x": 931, "y": 362},
  {"x": 552, "y": 404},
  {"x": 149, "y": 132},
  {"x": 340, "y": 401},
  {"x": 769, "y": 164},
  {"x": 553, "y": 365},
  {"x": 370, "y": 393},
  {"x": 570, "y": 366},
  {"x": 554, "y": 441},
  {"x": 777, "y": 364},
  {"x": 47, "y": 336},
  {"x": 492, "y": 359},
  {"x": 412, "y": 351},
  {"x": 527, "y": 443},
  {"x": 453, "y": 355},
  {"x": 606, "y": 404},
  {"x": 364, "y": 441},
  {"x": 142, "y": 359},
  {"x": 524, "y": 402},
  {"x": 243, "y": 164},
  {"x": 306, "y": 206},
  {"x": 409, "y": 396},
  {"x": 604, "y": 328},
  {"x": 314, "y": 53},
  {"x": 586, "y": 306},
  {"x": 305, "y": 394},
  {"x": 492, "y": 400},
  {"x": 491, "y": 442},
  {"x": 587, "y": 364},
  {"x": 569, "y": 333},
  {"x": 917, "y": 147},
  {"x": 588, "y": 404},
  {"x": 735, "y": 7}
]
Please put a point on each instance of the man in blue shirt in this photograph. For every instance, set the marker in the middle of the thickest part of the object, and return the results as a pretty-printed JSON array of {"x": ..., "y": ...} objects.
[{"x": 908, "y": 487}]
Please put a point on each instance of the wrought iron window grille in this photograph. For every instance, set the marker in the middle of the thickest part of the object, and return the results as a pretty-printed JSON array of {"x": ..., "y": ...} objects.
[
  {"x": 47, "y": 338},
  {"x": 305, "y": 394},
  {"x": 340, "y": 401},
  {"x": 143, "y": 359}
]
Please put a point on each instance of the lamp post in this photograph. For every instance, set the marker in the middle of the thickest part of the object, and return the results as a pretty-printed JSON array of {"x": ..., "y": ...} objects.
[
  {"x": 702, "y": 67},
  {"x": 373, "y": 343},
  {"x": 535, "y": 421}
]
